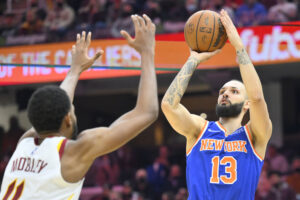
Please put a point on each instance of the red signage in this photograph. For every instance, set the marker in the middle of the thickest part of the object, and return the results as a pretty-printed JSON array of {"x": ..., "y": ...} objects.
[{"x": 265, "y": 45}]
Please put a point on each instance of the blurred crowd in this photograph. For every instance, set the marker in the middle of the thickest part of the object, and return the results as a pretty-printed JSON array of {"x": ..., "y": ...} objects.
[
  {"x": 159, "y": 173},
  {"x": 36, "y": 21}
]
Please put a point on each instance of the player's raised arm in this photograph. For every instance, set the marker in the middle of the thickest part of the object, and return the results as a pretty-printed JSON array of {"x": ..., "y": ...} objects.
[
  {"x": 99, "y": 141},
  {"x": 80, "y": 62},
  {"x": 260, "y": 123},
  {"x": 178, "y": 116}
]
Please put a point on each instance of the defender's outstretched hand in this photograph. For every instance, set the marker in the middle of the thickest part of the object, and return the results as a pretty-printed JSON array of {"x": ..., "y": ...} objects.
[
  {"x": 80, "y": 59},
  {"x": 231, "y": 31},
  {"x": 144, "y": 34}
]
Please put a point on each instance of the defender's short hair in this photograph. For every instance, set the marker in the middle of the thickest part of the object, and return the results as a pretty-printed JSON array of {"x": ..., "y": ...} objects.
[{"x": 47, "y": 107}]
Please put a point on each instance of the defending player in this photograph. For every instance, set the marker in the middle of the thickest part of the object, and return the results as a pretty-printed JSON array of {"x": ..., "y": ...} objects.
[
  {"x": 47, "y": 164},
  {"x": 223, "y": 158}
]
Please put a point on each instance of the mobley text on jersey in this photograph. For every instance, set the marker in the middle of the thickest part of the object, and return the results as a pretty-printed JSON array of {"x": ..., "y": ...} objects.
[{"x": 28, "y": 165}]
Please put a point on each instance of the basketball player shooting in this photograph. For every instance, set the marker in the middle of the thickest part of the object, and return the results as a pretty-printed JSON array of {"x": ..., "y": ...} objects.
[
  {"x": 50, "y": 161},
  {"x": 223, "y": 158}
]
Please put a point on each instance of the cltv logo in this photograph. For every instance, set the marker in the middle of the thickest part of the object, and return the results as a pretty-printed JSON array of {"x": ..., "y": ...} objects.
[{"x": 271, "y": 48}]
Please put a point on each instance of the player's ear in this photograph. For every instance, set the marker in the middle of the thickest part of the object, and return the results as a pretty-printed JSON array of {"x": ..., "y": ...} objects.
[{"x": 68, "y": 120}]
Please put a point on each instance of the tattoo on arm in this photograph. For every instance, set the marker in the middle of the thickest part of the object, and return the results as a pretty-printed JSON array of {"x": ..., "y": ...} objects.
[
  {"x": 180, "y": 83},
  {"x": 243, "y": 57}
]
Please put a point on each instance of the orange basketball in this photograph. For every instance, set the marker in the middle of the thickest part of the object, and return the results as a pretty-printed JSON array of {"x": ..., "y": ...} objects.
[{"x": 204, "y": 31}]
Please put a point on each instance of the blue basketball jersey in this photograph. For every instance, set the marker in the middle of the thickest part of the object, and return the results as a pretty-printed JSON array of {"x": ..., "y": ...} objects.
[{"x": 221, "y": 166}]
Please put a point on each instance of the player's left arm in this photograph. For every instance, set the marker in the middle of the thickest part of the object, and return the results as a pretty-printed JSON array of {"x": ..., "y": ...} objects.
[
  {"x": 260, "y": 124},
  {"x": 80, "y": 62}
]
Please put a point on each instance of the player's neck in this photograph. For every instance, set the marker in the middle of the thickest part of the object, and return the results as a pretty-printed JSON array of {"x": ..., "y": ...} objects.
[{"x": 231, "y": 124}]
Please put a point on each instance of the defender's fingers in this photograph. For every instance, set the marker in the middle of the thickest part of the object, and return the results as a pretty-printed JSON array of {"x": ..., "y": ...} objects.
[
  {"x": 77, "y": 38},
  {"x": 126, "y": 36},
  {"x": 147, "y": 19},
  {"x": 82, "y": 37},
  {"x": 135, "y": 22},
  {"x": 141, "y": 21},
  {"x": 88, "y": 40},
  {"x": 73, "y": 49},
  {"x": 97, "y": 55}
]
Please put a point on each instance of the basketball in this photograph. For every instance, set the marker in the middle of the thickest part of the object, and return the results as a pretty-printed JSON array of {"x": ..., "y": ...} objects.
[{"x": 204, "y": 31}]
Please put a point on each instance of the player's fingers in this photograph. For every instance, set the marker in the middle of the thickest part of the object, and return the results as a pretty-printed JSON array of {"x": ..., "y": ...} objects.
[
  {"x": 149, "y": 22},
  {"x": 88, "y": 40},
  {"x": 82, "y": 40},
  {"x": 135, "y": 21},
  {"x": 215, "y": 52},
  {"x": 141, "y": 21},
  {"x": 147, "y": 19},
  {"x": 126, "y": 36},
  {"x": 203, "y": 115},
  {"x": 73, "y": 49},
  {"x": 97, "y": 55},
  {"x": 77, "y": 38}
]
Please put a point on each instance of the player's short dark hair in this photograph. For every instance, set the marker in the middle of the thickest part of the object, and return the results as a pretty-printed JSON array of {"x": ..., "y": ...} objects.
[{"x": 47, "y": 107}]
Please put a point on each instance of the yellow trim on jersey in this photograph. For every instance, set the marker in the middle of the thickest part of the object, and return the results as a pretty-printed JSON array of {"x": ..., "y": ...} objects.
[
  {"x": 59, "y": 145},
  {"x": 71, "y": 197}
]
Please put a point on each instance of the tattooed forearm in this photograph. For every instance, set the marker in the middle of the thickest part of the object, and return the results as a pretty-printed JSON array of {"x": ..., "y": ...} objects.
[
  {"x": 243, "y": 57},
  {"x": 180, "y": 83}
]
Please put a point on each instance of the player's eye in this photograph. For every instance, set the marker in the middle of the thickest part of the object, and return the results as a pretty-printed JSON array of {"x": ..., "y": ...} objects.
[{"x": 235, "y": 92}]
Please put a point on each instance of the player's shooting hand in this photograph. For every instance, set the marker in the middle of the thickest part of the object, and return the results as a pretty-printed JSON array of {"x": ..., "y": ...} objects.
[
  {"x": 80, "y": 59},
  {"x": 231, "y": 31},
  {"x": 201, "y": 57},
  {"x": 144, "y": 34}
]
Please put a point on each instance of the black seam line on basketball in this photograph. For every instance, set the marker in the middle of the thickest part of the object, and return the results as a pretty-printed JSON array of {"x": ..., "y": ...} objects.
[
  {"x": 212, "y": 37},
  {"x": 186, "y": 39},
  {"x": 197, "y": 30}
]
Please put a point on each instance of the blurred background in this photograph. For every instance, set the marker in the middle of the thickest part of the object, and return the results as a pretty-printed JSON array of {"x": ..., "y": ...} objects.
[{"x": 152, "y": 166}]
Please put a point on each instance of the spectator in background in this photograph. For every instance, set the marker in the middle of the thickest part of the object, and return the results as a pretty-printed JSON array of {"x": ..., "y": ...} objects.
[
  {"x": 293, "y": 179},
  {"x": 115, "y": 196},
  {"x": 163, "y": 156},
  {"x": 124, "y": 22},
  {"x": 280, "y": 188},
  {"x": 268, "y": 3},
  {"x": 12, "y": 135},
  {"x": 264, "y": 186},
  {"x": 141, "y": 185},
  {"x": 283, "y": 11},
  {"x": 182, "y": 194},
  {"x": 8, "y": 24},
  {"x": 157, "y": 177},
  {"x": 251, "y": 13},
  {"x": 277, "y": 161},
  {"x": 126, "y": 191},
  {"x": 175, "y": 180},
  {"x": 59, "y": 19},
  {"x": 93, "y": 12},
  {"x": 218, "y": 5},
  {"x": 108, "y": 171},
  {"x": 167, "y": 196},
  {"x": 32, "y": 24},
  {"x": 153, "y": 10},
  {"x": 178, "y": 14}
]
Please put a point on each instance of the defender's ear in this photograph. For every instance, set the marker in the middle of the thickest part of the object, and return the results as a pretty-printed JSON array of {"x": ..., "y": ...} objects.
[{"x": 68, "y": 119}]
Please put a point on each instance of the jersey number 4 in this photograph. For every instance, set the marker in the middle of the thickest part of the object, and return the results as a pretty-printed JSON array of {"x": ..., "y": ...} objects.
[
  {"x": 230, "y": 170},
  {"x": 11, "y": 188}
]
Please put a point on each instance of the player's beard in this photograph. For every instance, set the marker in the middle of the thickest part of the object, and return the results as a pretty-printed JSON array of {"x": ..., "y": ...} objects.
[{"x": 231, "y": 110}]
